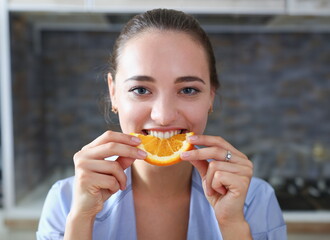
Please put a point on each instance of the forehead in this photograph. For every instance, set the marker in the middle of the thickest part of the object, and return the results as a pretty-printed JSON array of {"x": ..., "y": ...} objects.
[{"x": 164, "y": 52}]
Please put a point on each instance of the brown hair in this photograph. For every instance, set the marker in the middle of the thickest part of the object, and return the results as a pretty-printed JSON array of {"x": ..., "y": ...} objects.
[{"x": 165, "y": 19}]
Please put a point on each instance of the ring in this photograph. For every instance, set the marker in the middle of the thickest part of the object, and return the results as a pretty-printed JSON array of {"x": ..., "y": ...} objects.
[{"x": 228, "y": 156}]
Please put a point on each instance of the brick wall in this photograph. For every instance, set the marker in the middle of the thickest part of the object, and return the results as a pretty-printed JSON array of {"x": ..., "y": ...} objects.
[{"x": 273, "y": 104}]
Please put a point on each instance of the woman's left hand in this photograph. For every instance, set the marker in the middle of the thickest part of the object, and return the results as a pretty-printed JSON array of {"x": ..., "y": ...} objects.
[{"x": 225, "y": 182}]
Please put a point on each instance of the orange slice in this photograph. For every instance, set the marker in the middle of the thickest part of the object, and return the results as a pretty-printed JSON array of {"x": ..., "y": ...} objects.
[{"x": 164, "y": 151}]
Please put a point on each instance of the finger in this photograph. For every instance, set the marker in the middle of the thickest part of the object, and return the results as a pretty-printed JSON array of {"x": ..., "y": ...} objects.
[
  {"x": 104, "y": 167},
  {"x": 205, "y": 140},
  {"x": 212, "y": 174},
  {"x": 125, "y": 162},
  {"x": 98, "y": 181},
  {"x": 240, "y": 170},
  {"x": 236, "y": 185},
  {"x": 201, "y": 167},
  {"x": 215, "y": 153},
  {"x": 111, "y": 148},
  {"x": 111, "y": 136},
  {"x": 217, "y": 185},
  {"x": 209, "y": 178},
  {"x": 107, "y": 182}
]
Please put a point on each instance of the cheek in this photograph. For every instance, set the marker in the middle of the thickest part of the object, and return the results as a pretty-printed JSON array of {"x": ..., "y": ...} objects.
[
  {"x": 131, "y": 115},
  {"x": 197, "y": 116}
]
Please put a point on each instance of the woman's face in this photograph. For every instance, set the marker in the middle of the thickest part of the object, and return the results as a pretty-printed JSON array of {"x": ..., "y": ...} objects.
[{"x": 162, "y": 84}]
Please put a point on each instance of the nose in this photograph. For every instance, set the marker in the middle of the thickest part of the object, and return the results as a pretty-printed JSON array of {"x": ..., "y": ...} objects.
[{"x": 164, "y": 111}]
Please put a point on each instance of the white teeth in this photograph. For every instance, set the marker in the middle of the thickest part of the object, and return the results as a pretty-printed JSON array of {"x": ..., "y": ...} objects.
[
  {"x": 167, "y": 134},
  {"x": 163, "y": 134}
]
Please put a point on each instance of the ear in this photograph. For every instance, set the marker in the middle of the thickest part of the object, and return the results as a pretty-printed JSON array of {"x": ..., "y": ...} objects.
[
  {"x": 112, "y": 89},
  {"x": 212, "y": 96}
]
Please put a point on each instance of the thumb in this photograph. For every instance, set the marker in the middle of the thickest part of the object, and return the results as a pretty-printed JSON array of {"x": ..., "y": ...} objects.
[
  {"x": 125, "y": 162},
  {"x": 201, "y": 166},
  {"x": 211, "y": 195}
]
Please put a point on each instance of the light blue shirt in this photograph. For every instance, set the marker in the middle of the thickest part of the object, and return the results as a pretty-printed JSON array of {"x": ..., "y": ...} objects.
[{"x": 116, "y": 220}]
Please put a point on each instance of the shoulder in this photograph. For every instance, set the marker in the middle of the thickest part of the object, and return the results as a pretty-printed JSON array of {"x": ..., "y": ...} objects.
[
  {"x": 260, "y": 194},
  {"x": 259, "y": 188},
  {"x": 63, "y": 185},
  {"x": 115, "y": 211},
  {"x": 62, "y": 190},
  {"x": 55, "y": 210},
  {"x": 262, "y": 210}
]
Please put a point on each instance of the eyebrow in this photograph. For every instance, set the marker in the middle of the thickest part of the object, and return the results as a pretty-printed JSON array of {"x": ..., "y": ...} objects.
[
  {"x": 144, "y": 78},
  {"x": 189, "y": 79}
]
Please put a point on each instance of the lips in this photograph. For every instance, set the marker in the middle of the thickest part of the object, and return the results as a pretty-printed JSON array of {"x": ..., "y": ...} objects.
[{"x": 164, "y": 134}]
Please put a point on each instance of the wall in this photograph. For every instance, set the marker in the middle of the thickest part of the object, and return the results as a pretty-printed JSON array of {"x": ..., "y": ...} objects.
[{"x": 272, "y": 106}]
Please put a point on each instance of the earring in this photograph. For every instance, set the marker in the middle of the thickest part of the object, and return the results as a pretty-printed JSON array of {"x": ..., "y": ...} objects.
[
  {"x": 114, "y": 110},
  {"x": 211, "y": 110}
]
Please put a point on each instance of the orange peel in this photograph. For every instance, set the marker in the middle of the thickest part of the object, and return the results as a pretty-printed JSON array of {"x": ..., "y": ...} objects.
[{"x": 164, "y": 151}]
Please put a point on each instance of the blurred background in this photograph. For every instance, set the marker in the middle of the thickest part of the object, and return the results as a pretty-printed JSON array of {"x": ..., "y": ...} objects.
[{"x": 273, "y": 59}]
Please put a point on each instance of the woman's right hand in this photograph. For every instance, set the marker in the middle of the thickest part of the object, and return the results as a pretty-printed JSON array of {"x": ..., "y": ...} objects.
[{"x": 97, "y": 179}]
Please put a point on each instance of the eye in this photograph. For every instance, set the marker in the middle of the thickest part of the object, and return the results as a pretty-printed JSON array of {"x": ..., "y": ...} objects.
[
  {"x": 189, "y": 91},
  {"x": 140, "y": 90}
]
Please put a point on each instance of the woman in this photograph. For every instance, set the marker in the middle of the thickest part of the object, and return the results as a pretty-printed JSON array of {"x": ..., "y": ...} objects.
[{"x": 162, "y": 79}]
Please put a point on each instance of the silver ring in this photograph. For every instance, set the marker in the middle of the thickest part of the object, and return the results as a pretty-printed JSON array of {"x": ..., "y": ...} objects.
[{"x": 228, "y": 156}]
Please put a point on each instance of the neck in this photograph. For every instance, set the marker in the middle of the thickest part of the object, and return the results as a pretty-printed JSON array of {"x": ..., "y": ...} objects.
[{"x": 161, "y": 182}]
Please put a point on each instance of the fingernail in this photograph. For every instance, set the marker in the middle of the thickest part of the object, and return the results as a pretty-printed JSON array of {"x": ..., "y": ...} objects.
[
  {"x": 209, "y": 192},
  {"x": 185, "y": 154},
  {"x": 142, "y": 153},
  {"x": 193, "y": 138},
  {"x": 135, "y": 139}
]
